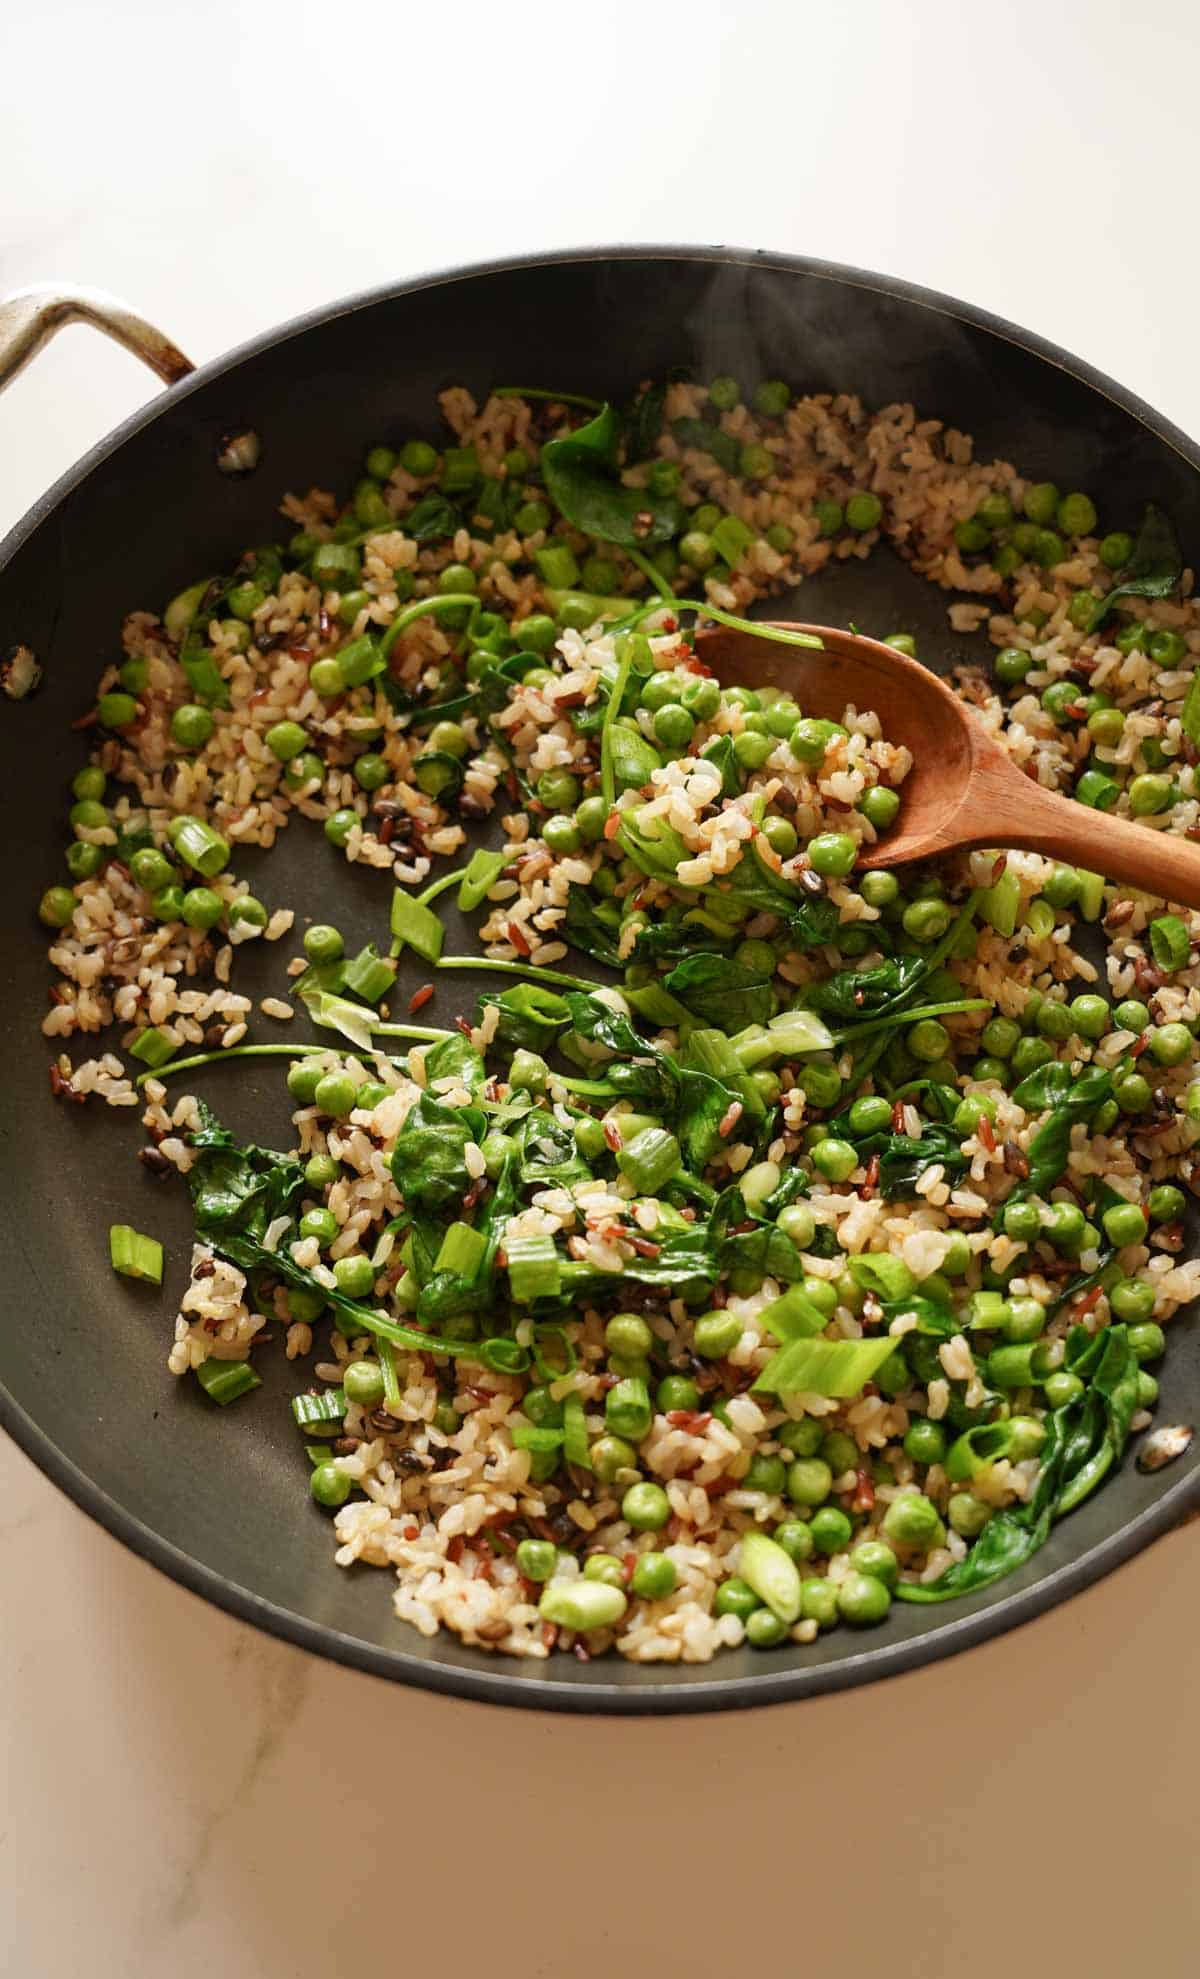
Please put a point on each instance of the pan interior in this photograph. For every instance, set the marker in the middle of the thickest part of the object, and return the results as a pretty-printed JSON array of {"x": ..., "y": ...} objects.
[{"x": 218, "y": 1497}]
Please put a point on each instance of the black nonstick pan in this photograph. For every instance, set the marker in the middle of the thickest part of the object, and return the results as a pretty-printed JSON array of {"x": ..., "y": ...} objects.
[{"x": 214, "y": 1498}]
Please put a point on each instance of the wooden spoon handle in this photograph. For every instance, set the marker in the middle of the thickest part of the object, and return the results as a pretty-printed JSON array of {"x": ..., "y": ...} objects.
[{"x": 1022, "y": 814}]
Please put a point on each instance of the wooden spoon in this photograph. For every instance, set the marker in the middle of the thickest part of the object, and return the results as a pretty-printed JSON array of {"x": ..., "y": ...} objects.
[{"x": 963, "y": 789}]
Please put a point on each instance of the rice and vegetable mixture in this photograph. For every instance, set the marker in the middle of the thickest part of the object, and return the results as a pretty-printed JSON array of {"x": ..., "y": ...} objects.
[{"x": 775, "y": 1238}]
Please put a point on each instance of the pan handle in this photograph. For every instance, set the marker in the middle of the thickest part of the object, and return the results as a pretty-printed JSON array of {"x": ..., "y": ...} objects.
[{"x": 30, "y": 317}]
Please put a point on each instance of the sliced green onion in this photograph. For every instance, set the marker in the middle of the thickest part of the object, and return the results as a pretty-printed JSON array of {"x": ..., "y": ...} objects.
[
  {"x": 135, "y": 1256},
  {"x": 887, "y": 1276},
  {"x": 555, "y": 398},
  {"x": 360, "y": 660},
  {"x": 385, "y": 1355},
  {"x": 608, "y": 775},
  {"x": 462, "y": 1251},
  {"x": 413, "y": 923},
  {"x": 528, "y": 1436},
  {"x": 794, "y": 1316},
  {"x": 837, "y": 1368},
  {"x": 1170, "y": 942},
  {"x": 999, "y": 902},
  {"x": 317, "y": 1411},
  {"x": 575, "y": 1437},
  {"x": 368, "y": 976},
  {"x": 772, "y": 1573},
  {"x": 650, "y": 1159},
  {"x": 504, "y": 1356},
  {"x": 548, "y": 1370},
  {"x": 1098, "y": 791},
  {"x": 153, "y": 1047},
  {"x": 224, "y": 1381},
  {"x": 200, "y": 847},
  {"x": 480, "y": 874},
  {"x": 533, "y": 1268}
]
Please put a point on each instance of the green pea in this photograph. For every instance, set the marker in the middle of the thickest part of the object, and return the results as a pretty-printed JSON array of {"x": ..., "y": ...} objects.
[
  {"x": 928, "y": 1040},
  {"x": 1012, "y": 665},
  {"x": 329, "y": 1485},
  {"x": 1132, "y": 1092},
  {"x": 924, "y": 1441},
  {"x": 863, "y": 1600},
  {"x": 831, "y": 1529},
  {"x": 247, "y": 912},
  {"x": 767, "y": 1474},
  {"x": 627, "y": 1333},
  {"x": 863, "y": 512},
  {"x": 970, "y": 1111},
  {"x": 339, "y": 827},
  {"x": 191, "y": 726},
  {"x": 89, "y": 783},
  {"x": 880, "y": 806},
  {"x": 1022, "y": 1222},
  {"x": 323, "y": 943},
  {"x": 927, "y": 920},
  {"x": 835, "y": 1159},
  {"x": 117, "y": 710},
  {"x": 654, "y": 1577},
  {"x": 821, "y": 1294},
  {"x": 87, "y": 815},
  {"x": 880, "y": 890},
  {"x": 796, "y": 1539},
  {"x": 1166, "y": 1203},
  {"x": 1170, "y": 1044},
  {"x": 1148, "y": 1341},
  {"x": 1089, "y": 1015},
  {"x": 1130, "y": 1015},
  {"x": 56, "y": 908},
  {"x": 1041, "y": 501},
  {"x": 780, "y": 537},
  {"x": 832, "y": 853},
  {"x": 818, "y": 1602},
  {"x": 1076, "y": 515},
  {"x": 167, "y": 903},
  {"x": 756, "y": 462},
  {"x": 995, "y": 511},
  {"x": 536, "y": 1559},
  {"x": 362, "y": 1382},
  {"x": 202, "y": 908},
  {"x": 715, "y": 1334},
  {"x": 912, "y": 1521},
  {"x": 336, "y": 1094},
  {"x": 809, "y": 1481},
  {"x": 972, "y": 535},
  {"x": 872, "y": 1114},
  {"x": 150, "y": 869},
  {"x": 1167, "y": 649},
  {"x": 646, "y": 1507},
  {"x": 1029, "y": 1055},
  {"x": 1115, "y": 549},
  {"x": 673, "y": 726},
  {"x": 839, "y": 1451},
  {"x": 355, "y": 1276},
  {"x": 321, "y": 1224},
  {"x": 610, "y": 1455},
  {"x": 676, "y": 1391},
  {"x": 751, "y": 750},
  {"x": 1150, "y": 795},
  {"x": 967, "y": 1514},
  {"x": 320, "y": 1169},
  {"x": 803, "y": 1438},
  {"x": 1132, "y": 1299}
]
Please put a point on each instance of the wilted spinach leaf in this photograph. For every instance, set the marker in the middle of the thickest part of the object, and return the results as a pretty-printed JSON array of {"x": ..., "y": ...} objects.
[
  {"x": 583, "y": 481},
  {"x": 722, "y": 992},
  {"x": 430, "y": 518},
  {"x": 428, "y": 1165},
  {"x": 1154, "y": 569}
]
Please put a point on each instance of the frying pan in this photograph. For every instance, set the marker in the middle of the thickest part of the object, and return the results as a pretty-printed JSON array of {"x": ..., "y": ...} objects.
[{"x": 215, "y": 1498}]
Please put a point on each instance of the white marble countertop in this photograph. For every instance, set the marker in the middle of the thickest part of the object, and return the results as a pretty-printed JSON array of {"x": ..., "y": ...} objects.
[{"x": 184, "y": 1795}]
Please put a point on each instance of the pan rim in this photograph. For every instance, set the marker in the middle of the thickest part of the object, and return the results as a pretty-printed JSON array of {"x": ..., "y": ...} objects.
[{"x": 501, "y": 1686}]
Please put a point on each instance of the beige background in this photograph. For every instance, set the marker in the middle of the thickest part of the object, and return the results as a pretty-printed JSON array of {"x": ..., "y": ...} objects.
[{"x": 183, "y": 1795}]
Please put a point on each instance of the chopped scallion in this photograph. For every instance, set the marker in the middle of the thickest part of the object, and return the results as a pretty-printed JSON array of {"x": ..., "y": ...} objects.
[{"x": 135, "y": 1256}]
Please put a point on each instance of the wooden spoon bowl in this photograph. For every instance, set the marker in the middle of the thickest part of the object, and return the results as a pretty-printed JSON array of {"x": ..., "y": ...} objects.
[{"x": 963, "y": 790}]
